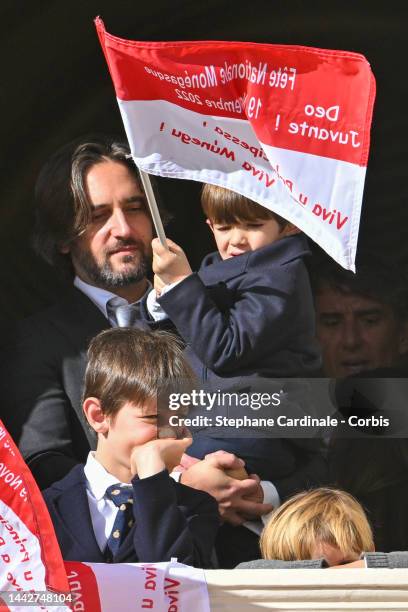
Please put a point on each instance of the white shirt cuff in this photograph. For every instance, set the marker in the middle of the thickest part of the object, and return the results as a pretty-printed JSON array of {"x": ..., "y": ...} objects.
[
  {"x": 153, "y": 306},
  {"x": 271, "y": 496},
  {"x": 176, "y": 476},
  {"x": 155, "y": 310}
]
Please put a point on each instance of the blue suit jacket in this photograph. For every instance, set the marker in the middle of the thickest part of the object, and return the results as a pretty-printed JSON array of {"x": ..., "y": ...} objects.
[
  {"x": 248, "y": 317},
  {"x": 171, "y": 520}
]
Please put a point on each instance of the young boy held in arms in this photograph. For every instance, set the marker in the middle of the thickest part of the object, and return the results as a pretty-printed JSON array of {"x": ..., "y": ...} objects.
[
  {"x": 247, "y": 314},
  {"x": 122, "y": 506},
  {"x": 249, "y": 310}
]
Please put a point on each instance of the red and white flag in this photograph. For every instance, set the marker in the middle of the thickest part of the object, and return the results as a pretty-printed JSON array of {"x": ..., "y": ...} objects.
[
  {"x": 286, "y": 126},
  {"x": 131, "y": 587},
  {"x": 30, "y": 558}
]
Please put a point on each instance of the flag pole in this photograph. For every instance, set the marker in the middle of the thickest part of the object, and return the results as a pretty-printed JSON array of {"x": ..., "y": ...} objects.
[{"x": 154, "y": 210}]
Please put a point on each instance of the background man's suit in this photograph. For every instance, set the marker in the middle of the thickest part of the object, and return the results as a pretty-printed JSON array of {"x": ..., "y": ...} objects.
[{"x": 41, "y": 385}]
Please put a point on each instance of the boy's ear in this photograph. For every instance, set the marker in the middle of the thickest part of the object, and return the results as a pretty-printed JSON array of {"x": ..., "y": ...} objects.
[
  {"x": 210, "y": 224},
  {"x": 290, "y": 230},
  {"x": 94, "y": 415}
]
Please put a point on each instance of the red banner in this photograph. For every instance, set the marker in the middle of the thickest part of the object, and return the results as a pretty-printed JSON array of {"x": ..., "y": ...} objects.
[
  {"x": 30, "y": 558},
  {"x": 131, "y": 587}
]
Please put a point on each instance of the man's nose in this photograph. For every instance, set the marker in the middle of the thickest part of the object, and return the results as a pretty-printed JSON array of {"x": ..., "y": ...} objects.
[
  {"x": 120, "y": 226},
  {"x": 351, "y": 335}
]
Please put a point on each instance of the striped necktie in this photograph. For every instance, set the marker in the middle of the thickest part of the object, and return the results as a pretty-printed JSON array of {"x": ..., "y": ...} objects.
[{"x": 125, "y": 315}]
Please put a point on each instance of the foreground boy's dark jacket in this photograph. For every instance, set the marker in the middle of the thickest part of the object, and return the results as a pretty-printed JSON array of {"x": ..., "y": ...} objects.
[{"x": 171, "y": 520}]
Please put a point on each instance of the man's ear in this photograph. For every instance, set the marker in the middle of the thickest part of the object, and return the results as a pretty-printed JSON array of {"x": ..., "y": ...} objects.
[
  {"x": 94, "y": 415},
  {"x": 210, "y": 224},
  {"x": 290, "y": 230}
]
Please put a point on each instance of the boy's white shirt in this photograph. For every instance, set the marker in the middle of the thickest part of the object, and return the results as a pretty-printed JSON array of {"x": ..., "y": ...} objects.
[{"x": 103, "y": 511}]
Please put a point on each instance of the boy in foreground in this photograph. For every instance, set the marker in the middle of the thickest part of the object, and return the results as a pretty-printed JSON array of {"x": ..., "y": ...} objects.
[{"x": 122, "y": 506}]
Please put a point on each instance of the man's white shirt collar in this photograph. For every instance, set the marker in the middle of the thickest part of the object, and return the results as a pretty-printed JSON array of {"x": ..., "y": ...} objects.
[{"x": 101, "y": 297}]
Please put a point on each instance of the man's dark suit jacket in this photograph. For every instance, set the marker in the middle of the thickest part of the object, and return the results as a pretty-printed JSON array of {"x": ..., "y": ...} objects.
[
  {"x": 243, "y": 319},
  {"x": 41, "y": 385},
  {"x": 171, "y": 520}
]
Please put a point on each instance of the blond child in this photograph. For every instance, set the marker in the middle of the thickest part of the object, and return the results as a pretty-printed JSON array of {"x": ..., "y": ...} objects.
[{"x": 320, "y": 524}]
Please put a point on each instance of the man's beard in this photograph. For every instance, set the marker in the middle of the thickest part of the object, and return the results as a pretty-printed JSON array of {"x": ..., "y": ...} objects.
[{"x": 104, "y": 276}]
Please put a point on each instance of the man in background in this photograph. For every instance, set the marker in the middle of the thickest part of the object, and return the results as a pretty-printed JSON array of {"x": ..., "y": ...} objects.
[
  {"x": 361, "y": 318},
  {"x": 362, "y": 330}
]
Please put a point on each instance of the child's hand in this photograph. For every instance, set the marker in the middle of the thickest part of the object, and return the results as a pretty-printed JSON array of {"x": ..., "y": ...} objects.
[
  {"x": 169, "y": 265},
  {"x": 153, "y": 457}
]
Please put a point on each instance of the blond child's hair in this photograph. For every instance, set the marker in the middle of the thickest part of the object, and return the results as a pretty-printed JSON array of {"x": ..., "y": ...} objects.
[{"x": 322, "y": 515}]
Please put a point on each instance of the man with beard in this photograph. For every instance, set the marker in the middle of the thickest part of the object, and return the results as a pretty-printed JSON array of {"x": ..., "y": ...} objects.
[{"x": 93, "y": 223}]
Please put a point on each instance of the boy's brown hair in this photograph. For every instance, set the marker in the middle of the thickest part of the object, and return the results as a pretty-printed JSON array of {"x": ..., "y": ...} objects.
[
  {"x": 323, "y": 515},
  {"x": 132, "y": 365},
  {"x": 222, "y": 205}
]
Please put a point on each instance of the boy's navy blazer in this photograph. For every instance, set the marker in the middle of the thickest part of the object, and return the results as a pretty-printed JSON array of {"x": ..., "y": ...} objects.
[
  {"x": 171, "y": 520},
  {"x": 247, "y": 317},
  {"x": 250, "y": 315}
]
